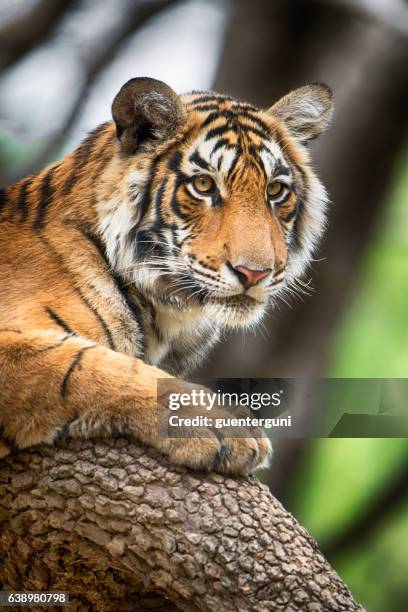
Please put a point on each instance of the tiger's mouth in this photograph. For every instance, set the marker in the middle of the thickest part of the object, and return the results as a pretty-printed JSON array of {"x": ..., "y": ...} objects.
[
  {"x": 229, "y": 310},
  {"x": 240, "y": 300},
  {"x": 235, "y": 311}
]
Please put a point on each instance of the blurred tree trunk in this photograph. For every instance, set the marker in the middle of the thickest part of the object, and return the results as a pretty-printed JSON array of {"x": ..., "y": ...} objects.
[{"x": 270, "y": 48}]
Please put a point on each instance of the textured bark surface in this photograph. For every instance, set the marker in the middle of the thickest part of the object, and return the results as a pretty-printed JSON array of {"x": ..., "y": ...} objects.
[{"x": 119, "y": 528}]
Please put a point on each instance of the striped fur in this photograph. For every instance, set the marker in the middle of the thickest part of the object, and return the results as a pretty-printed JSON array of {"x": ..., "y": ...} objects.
[{"x": 113, "y": 266}]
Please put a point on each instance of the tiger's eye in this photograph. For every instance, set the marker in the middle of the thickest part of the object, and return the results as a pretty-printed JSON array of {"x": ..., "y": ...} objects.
[
  {"x": 275, "y": 189},
  {"x": 203, "y": 183}
]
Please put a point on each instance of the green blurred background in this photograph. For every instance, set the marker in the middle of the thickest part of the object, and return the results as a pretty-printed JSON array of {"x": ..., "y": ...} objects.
[
  {"x": 341, "y": 479},
  {"x": 62, "y": 62}
]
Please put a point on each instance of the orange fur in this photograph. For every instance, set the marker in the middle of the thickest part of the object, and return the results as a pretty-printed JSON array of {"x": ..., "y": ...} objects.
[{"x": 105, "y": 257}]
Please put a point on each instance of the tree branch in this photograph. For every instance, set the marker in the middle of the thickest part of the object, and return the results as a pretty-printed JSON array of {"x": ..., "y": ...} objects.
[
  {"x": 97, "y": 61},
  {"x": 370, "y": 520},
  {"x": 115, "y": 525},
  {"x": 391, "y": 13},
  {"x": 30, "y": 29}
]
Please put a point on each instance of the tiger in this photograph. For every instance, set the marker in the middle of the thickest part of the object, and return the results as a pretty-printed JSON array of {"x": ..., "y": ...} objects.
[{"x": 122, "y": 264}]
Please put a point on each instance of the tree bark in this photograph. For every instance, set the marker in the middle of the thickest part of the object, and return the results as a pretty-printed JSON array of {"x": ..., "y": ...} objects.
[{"x": 115, "y": 525}]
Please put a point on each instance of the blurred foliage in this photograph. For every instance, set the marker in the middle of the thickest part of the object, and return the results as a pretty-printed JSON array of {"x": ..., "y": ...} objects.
[
  {"x": 372, "y": 341},
  {"x": 14, "y": 153},
  {"x": 337, "y": 481},
  {"x": 377, "y": 573},
  {"x": 341, "y": 477}
]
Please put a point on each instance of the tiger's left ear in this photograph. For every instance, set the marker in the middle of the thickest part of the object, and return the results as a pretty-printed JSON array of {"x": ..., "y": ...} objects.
[
  {"x": 306, "y": 112},
  {"x": 146, "y": 112}
]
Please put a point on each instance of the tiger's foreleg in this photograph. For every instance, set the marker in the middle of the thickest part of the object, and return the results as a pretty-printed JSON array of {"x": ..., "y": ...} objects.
[{"x": 53, "y": 384}]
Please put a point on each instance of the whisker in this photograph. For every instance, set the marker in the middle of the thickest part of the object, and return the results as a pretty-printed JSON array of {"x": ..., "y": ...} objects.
[{"x": 307, "y": 259}]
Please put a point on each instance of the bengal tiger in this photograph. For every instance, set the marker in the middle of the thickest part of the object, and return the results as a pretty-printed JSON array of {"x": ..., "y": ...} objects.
[{"x": 123, "y": 263}]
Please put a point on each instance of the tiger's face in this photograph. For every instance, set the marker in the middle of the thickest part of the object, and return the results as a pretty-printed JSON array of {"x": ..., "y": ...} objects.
[{"x": 223, "y": 209}]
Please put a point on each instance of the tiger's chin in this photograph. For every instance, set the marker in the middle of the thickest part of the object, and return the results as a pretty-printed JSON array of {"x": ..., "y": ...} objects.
[
  {"x": 235, "y": 311},
  {"x": 229, "y": 311}
]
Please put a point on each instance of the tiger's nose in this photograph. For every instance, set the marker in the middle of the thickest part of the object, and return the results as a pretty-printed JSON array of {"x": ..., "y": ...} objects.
[{"x": 249, "y": 278}]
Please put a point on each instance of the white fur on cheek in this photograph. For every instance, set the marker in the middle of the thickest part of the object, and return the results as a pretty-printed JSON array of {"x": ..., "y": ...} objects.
[
  {"x": 115, "y": 223},
  {"x": 311, "y": 227},
  {"x": 118, "y": 216}
]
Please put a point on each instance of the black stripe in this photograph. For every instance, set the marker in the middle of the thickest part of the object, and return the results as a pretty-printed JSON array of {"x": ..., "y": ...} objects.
[
  {"x": 120, "y": 286},
  {"x": 175, "y": 204},
  {"x": 150, "y": 242},
  {"x": 146, "y": 198},
  {"x": 13, "y": 446},
  {"x": 239, "y": 152},
  {"x": 209, "y": 97},
  {"x": 257, "y": 160},
  {"x": 244, "y": 108},
  {"x": 101, "y": 320},
  {"x": 81, "y": 157},
  {"x": 295, "y": 238},
  {"x": 218, "y": 131},
  {"x": 175, "y": 161},
  {"x": 174, "y": 166},
  {"x": 222, "y": 142},
  {"x": 291, "y": 215},
  {"x": 236, "y": 115},
  {"x": 259, "y": 122},
  {"x": 134, "y": 308},
  {"x": 3, "y": 199},
  {"x": 280, "y": 169},
  {"x": 225, "y": 114},
  {"x": 196, "y": 158},
  {"x": 46, "y": 195},
  {"x": 203, "y": 99},
  {"x": 254, "y": 130},
  {"x": 159, "y": 200},
  {"x": 202, "y": 108},
  {"x": 10, "y": 329},
  {"x": 22, "y": 203},
  {"x": 144, "y": 244},
  {"x": 144, "y": 203},
  {"x": 54, "y": 317},
  {"x": 56, "y": 344},
  {"x": 63, "y": 430},
  {"x": 60, "y": 259},
  {"x": 76, "y": 362},
  {"x": 301, "y": 171},
  {"x": 88, "y": 235}
]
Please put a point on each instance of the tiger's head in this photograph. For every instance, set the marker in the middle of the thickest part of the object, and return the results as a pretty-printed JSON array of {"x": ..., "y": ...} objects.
[{"x": 216, "y": 205}]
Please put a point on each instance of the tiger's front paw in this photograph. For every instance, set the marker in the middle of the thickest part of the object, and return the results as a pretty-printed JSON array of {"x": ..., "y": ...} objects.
[
  {"x": 203, "y": 438},
  {"x": 210, "y": 449},
  {"x": 235, "y": 456}
]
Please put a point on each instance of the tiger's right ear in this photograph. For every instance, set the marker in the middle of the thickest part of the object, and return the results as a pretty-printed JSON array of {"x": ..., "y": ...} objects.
[
  {"x": 306, "y": 112},
  {"x": 146, "y": 111}
]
